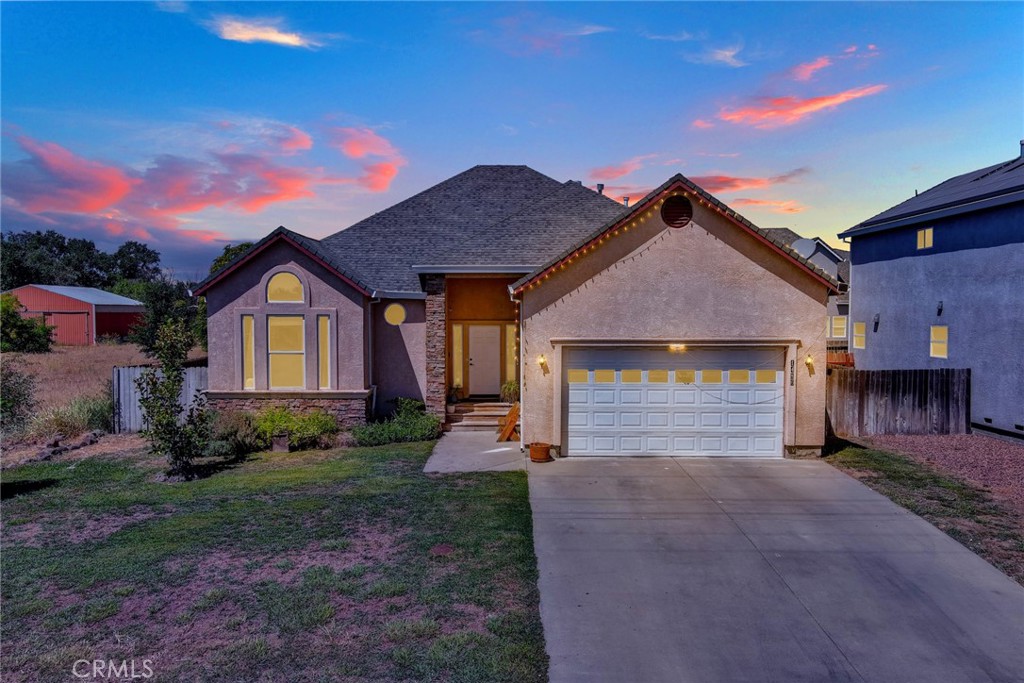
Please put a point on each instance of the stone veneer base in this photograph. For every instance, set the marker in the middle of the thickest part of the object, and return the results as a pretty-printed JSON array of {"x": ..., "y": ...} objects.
[{"x": 350, "y": 408}]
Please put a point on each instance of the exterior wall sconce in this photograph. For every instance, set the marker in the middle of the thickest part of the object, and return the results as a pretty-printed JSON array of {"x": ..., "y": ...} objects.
[
  {"x": 542, "y": 361},
  {"x": 809, "y": 362}
]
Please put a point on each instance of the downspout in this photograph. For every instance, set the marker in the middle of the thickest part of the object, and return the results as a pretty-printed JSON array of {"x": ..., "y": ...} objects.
[{"x": 374, "y": 299}]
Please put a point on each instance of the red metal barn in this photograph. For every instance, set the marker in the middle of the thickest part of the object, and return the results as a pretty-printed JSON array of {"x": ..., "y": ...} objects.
[{"x": 79, "y": 314}]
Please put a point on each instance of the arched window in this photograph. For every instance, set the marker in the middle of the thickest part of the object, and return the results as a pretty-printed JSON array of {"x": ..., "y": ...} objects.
[{"x": 284, "y": 288}]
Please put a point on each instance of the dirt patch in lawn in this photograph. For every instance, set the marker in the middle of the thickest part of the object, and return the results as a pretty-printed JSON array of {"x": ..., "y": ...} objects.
[
  {"x": 109, "y": 445},
  {"x": 992, "y": 464},
  {"x": 966, "y": 510}
]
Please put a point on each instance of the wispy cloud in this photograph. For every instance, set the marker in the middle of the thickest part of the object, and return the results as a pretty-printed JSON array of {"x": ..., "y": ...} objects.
[
  {"x": 172, "y": 6},
  {"x": 719, "y": 56},
  {"x": 728, "y": 183},
  {"x": 260, "y": 30},
  {"x": 701, "y": 124},
  {"x": 774, "y": 205},
  {"x": 364, "y": 143},
  {"x": 680, "y": 37},
  {"x": 720, "y": 155},
  {"x": 615, "y": 171},
  {"x": 805, "y": 71},
  {"x": 528, "y": 34},
  {"x": 774, "y": 112}
]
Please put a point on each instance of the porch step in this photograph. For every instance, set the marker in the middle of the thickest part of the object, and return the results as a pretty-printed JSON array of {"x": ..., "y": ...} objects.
[
  {"x": 503, "y": 408},
  {"x": 476, "y": 417},
  {"x": 470, "y": 427}
]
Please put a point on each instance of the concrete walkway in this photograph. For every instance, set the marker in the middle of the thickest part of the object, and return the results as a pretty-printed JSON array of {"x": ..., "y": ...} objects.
[
  {"x": 723, "y": 570},
  {"x": 475, "y": 452}
]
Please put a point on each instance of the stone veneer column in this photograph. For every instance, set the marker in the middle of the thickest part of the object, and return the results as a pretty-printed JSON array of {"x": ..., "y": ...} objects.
[{"x": 437, "y": 345}]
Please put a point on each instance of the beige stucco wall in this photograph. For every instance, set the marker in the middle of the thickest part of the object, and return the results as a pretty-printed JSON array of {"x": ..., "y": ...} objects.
[{"x": 709, "y": 281}]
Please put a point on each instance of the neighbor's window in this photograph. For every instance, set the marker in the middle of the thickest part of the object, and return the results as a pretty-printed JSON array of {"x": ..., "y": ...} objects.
[
  {"x": 837, "y": 327},
  {"x": 394, "y": 314},
  {"x": 248, "y": 353},
  {"x": 925, "y": 238},
  {"x": 286, "y": 351},
  {"x": 284, "y": 288},
  {"x": 939, "y": 346},
  {"x": 860, "y": 335},
  {"x": 323, "y": 343}
]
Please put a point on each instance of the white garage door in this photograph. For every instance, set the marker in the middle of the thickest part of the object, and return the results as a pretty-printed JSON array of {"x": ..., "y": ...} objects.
[{"x": 702, "y": 401}]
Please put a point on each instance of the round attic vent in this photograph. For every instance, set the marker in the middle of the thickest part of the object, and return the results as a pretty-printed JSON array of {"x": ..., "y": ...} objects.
[{"x": 677, "y": 212}]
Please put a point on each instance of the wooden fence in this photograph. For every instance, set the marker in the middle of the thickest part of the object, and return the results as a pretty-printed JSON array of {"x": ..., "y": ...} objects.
[
  {"x": 128, "y": 412},
  {"x": 869, "y": 402}
]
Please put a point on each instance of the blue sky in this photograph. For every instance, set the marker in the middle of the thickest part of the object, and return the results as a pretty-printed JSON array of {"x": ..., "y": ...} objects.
[{"x": 191, "y": 125}]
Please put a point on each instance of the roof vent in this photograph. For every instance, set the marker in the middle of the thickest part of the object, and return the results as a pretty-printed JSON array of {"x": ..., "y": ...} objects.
[
  {"x": 600, "y": 186},
  {"x": 625, "y": 201},
  {"x": 1022, "y": 148},
  {"x": 677, "y": 212}
]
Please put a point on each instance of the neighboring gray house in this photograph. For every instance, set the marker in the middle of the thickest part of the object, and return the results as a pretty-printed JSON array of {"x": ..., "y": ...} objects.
[
  {"x": 938, "y": 282},
  {"x": 835, "y": 262}
]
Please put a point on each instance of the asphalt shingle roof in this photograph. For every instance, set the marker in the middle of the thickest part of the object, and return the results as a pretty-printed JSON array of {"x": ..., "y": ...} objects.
[
  {"x": 991, "y": 182},
  {"x": 485, "y": 215}
]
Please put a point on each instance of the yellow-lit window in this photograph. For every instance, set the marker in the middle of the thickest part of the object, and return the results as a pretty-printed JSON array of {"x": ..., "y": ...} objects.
[
  {"x": 939, "y": 346},
  {"x": 765, "y": 376},
  {"x": 511, "y": 353},
  {"x": 860, "y": 335},
  {"x": 604, "y": 376},
  {"x": 657, "y": 376},
  {"x": 578, "y": 376},
  {"x": 739, "y": 377},
  {"x": 925, "y": 238},
  {"x": 248, "y": 353},
  {"x": 284, "y": 288},
  {"x": 837, "y": 328},
  {"x": 457, "y": 356},
  {"x": 686, "y": 376},
  {"x": 323, "y": 342},
  {"x": 394, "y": 314},
  {"x": 286, "y": 351},
  {"x": 711, "y": 376},
  {"x": 631, "y": 376}
]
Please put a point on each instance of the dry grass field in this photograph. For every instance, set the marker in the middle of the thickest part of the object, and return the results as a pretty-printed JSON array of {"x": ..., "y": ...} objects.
[{"x": 70, "y": 372}]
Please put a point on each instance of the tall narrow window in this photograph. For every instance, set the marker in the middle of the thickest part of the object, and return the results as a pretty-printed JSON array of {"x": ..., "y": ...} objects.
[
  {"x": 939, "y": 346},
  {"x": 286, "y": 351},
  {"x": 837, "y": 329},
  {"x": 284, "y": 288},
  {"x": 248, "y": 353},
  {"x": 457, "y": 356},
  {"x": 860, "y": 335},
  {"x": 510, "y": 353},
  {"x": 925, "y": 238},
  {"x": 323, "y": 342}
]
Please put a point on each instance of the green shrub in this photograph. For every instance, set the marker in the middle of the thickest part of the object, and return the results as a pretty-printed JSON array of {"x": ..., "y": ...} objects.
[
  {"x": 510, "y": 391},
  {"x": 410, "y": 422},
  {"x": 304, "y": 430},
  {"x": 28, "y": 335},
  {"x": 83, "y": 414},
  {"x": 16, "y": 397},
  {"x": 234, "y": 433}
]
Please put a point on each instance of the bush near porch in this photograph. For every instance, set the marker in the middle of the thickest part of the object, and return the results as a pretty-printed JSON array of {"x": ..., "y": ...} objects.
[{"x": 348, "y": 564}]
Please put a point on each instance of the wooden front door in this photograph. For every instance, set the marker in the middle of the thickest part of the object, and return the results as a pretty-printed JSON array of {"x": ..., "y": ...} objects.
[{"x": 484, "y": 360}]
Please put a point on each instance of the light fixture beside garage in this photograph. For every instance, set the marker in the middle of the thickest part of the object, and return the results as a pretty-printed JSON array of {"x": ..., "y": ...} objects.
[
  {"x": 677, "y": 348},
  {"x": 541, "y": 360}
]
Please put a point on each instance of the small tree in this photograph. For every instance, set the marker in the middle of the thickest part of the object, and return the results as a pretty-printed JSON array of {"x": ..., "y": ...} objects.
[
  {"x": 16, "y": 397},
  {"x": 173, "y": 433},
  {"x": 29, "y": 335}
]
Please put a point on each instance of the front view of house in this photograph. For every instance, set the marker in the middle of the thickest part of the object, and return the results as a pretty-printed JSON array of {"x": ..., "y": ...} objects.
[{"x": 670, "y": 327}]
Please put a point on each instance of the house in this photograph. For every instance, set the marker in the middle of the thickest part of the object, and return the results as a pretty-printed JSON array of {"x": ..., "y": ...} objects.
[
  {"x": 674, "y": 326},
  {"x": 80, "y": 315},
  {"x": 836, "y": 262},
  {"x": 938, "y": 282}
]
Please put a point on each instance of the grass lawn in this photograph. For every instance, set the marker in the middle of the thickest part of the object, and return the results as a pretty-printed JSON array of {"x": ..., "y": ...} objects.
[
  {"x": 964, "y": 511},
  {"x": 346, "y": 565}
]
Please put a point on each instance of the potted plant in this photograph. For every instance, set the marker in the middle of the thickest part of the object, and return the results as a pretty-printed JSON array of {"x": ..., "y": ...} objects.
[{"x": 510, "y": 391}]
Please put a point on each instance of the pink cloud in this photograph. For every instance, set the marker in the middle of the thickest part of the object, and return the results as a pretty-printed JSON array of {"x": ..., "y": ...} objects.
[
  {"x": 292, "y": 140},
  {"x": 701, "y": 124},
  {"x": 805, "y": 71},
  {"x": 777, "y": 206},
  {"x": 615, "y": 171},
  {"x": 529, "y": 34},
  {"x": 55, "y": 179},
  {"x": 727, "y": 183},
  {"x": 850, "y": 50},
  {"x": 773, "y": 112},
  {"x": 361, "y": 143}
]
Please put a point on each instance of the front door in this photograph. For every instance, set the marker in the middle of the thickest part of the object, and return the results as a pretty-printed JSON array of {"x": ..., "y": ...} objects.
[{"x": 484, "y": 359}]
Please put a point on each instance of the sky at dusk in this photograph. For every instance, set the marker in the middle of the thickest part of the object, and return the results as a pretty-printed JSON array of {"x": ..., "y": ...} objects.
[{"x": 188, "y": 126}]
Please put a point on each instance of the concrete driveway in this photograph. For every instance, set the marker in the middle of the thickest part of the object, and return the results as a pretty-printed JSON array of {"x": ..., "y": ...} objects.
[{"x": 725, "y": 570}]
